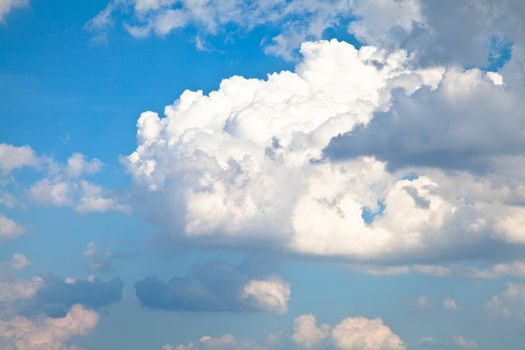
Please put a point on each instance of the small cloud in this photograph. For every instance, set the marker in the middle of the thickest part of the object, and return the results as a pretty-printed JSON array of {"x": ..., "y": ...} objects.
[
  {"x": 464, "y": 343},
  {"x": 422, "y": 302},
  {"x": 306, "y": 332},
  {"x": 9, "y": 229},
  {"x": 19, "y": 261},
  {"x": 450, "y": 304}
]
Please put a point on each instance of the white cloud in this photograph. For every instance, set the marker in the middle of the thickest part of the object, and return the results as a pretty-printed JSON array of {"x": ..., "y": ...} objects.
[
  {"x": 77, "y": 165},
  {"x": 360, "y": 333},
  {"x": 299, "y": 20},
  {"x": 268, "y": 295},
  {"x": 247, "y": 163},
  {"x": 66, "y": 186},
  {"x": 224, "y": 342},
  {"x": 48, "y": 333},
  {"x": 422, "y": 302},
  {"x": 12, "y": 289},
  {"x": 394, "y": 270},
  {"x": 243, "y": 162},
  {"x": 19, "y": 261},
  {"x": 514, "y": 268},
  {"x": 7, "y": 6},
  {"x": 379, "y": 18},
  {"x": 352, "y": 333},
  {"x": 468, "y": 33},
  {"x": 464, "y": 343},
  {"x": 307, "y": 334},
  {"x": 13, "y": 157},
  {"x": 450, "y": 304},
  {"x": 510, "y": 303},
  {"x": 9, "y": 229}
]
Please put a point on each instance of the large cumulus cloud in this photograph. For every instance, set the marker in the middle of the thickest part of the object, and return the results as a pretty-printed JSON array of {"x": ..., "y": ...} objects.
[{"x": 245, "y": 165}]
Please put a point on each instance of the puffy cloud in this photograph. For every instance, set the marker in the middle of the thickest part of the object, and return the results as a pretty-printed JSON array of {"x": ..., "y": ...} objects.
[
  {"x": 65, "y": 186},
  {"x": 248, "y": 163},
  {"x": 244, "y": 164},
  {"x": 216, "y": 286},
  {"x": 19, "y": 261},
  {"x": 511, "y": 302},
  {"x": 77, "y": 165},
  {"x": 450, "y": 304},
  {"x": 307, "y": 334},
  {"x": 13, "y": 157},
  {"x": 14, "y": 290},
  {"x": 422, "y": 28},
  {"x": 360, "y": 333},
  {"x": 100, "y": 256},
  {"x": 422, "y": 302},
  {"x": 380, "y": 21},
  {"x": 268, "y": 295},
  {"x": 47, "y": 333},
  {"x": 464, "y": 343},
  {"x": 9, "y": 229}
]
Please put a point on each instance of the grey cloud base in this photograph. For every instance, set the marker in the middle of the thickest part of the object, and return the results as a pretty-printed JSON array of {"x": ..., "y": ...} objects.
[{"x": 214, "y": 286}]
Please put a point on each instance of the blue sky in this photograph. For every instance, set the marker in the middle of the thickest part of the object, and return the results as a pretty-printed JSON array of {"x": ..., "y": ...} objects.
[{"x": 350, "y": 177}]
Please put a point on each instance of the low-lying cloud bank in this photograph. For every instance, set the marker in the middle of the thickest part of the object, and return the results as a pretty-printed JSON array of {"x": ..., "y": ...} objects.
[{"x": 355, "y": 155}]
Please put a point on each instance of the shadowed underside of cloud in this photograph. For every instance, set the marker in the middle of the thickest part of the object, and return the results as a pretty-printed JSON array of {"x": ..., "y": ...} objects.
[
  {"x": 215, "y": 286},
  {"x": 465, "y": 124},
  {"x": 54, "y": 296}
]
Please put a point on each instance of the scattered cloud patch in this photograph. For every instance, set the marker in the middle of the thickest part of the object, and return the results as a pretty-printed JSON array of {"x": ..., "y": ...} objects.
[
  {"x": 510, "y": 303},
  {"x": 216, "y": 286},
  {"x": 463, "y": 343},
  {"x": 9, "y": 229},
  {"x": 450, "y": 304},
  {"x": 13, "y": 157},
  {"x": 47, "y": 333},
  {"x": 352, "y": 333},
  {"x": 307, "y": 333},
  {"x": 360, "y": 333}
]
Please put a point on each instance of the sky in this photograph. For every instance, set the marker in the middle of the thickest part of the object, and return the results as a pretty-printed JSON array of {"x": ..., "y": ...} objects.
[{"x": 204, "y": 174}]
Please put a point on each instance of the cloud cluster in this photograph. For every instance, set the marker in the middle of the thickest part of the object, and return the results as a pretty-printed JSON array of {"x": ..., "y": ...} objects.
[
  {"x": 298, "y": 20},
  {"x": 510, "y": 303},
  {"x": 64, "y": 185},
  {"x": 352, "y": 333},
  {"x": 428, "y": 30},
  {"x": 47, "y": 333},
  {"x": 216, "y": 286},
  {"x": 261, "y": 162}
]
